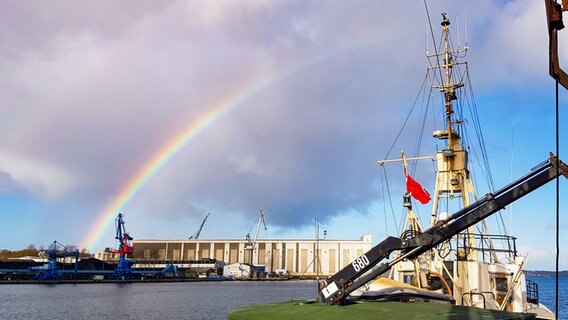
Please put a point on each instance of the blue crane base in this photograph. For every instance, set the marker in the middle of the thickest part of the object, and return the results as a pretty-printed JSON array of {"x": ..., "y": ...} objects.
[
  {"x": 51, "y": 272},
  {"x": 123, "y": 270}
]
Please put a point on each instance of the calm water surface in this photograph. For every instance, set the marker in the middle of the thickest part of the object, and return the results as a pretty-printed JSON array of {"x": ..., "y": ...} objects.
[
  {"x": 547, "y": 289},
  {"x": 190, "y": 300}
]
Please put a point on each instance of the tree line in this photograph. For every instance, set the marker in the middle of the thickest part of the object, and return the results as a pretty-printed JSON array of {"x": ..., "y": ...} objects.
[{"x": 32, "y": 251}]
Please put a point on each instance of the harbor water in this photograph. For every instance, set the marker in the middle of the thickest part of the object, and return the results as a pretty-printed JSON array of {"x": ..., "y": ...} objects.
[
  {"x": 547, "y": 294},
  {"x": 188, "y": 300},
  {"x": 180, "y": 300}
]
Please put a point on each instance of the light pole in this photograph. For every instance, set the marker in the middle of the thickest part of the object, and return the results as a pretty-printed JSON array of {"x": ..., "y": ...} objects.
[
  {"x": 317, "y": 258},
  {"x": 317, "y": 225}
]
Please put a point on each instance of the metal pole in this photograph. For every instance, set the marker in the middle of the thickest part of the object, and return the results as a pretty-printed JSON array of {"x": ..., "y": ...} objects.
[{"x": 317, "y": 265}]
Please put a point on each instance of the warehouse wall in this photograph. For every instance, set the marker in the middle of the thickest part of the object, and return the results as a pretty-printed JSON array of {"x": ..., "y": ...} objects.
[{"x": 296, "y": 256}]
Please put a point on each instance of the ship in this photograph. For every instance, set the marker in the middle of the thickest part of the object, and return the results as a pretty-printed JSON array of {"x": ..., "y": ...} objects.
[
  {"x": 475, "y": 267},
  {"x": 452, "y": 269}
]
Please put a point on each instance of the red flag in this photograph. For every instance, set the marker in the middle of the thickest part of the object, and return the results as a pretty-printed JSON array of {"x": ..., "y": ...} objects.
[{"x": 416, "y": 190}]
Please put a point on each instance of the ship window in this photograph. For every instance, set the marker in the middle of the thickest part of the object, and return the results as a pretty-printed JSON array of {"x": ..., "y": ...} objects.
[
  {"x": 501, "y": 284},
  {"x": 435, "y": 283}
]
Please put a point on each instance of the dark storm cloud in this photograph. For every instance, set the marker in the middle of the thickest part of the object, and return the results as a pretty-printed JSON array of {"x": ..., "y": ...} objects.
[{"x": 9, "y": 188}]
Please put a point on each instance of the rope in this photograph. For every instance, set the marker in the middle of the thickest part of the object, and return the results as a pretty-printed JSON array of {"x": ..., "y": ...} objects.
[
  {"x": 390, "y": 200},
  {"x": 407, "y": 117},
  {"x": 384, "y": 203}
]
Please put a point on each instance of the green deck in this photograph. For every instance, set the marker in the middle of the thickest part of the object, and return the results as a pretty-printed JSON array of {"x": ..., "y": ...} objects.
[{"x": 300, "y": 310}]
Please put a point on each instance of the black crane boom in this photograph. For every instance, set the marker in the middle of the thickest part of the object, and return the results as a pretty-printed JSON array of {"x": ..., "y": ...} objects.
[{"x": 366, "y": 267}]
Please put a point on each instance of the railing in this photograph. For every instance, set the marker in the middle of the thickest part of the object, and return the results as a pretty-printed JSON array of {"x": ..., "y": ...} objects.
[
  {"x": 501, "y": 244},
  {"x": 482, "y": 294},
  {"x": 532, "y": 291}
]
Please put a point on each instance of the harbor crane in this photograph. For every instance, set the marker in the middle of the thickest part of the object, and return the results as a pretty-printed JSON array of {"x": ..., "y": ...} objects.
[
  {"x": 123, "y": 269},
  {"x": 198, "y": 232},
  {"x": 56, "y": 251},
  {"x": 368, "y": 266},
  {"x": 251, "y": 242}
]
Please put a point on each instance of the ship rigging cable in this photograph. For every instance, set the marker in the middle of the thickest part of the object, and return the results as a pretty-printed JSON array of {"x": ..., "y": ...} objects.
[
  {"x": 557, "y": 202},
  {"x": 467, "y": 101},
  {"x": 433, "y": 39},
  {"x": 407, "y": 117},
  {"x": 390, "y": 199},
  {"x": 484, "y": 162}
]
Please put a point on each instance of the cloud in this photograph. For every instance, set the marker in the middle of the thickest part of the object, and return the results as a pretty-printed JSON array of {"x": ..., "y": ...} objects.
[
  {"x": 542, "y": 257},
  {"x": 517, "y": 36},
  {"x": 8, "y": 187},
  {"x": 43, "y": 24},
  {"x": 42, "y": 180},
  {"x": 93, "y": 92}
]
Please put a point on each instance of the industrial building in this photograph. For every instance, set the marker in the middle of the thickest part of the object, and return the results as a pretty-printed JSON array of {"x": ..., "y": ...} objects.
[{"x": 297, "y": 257}]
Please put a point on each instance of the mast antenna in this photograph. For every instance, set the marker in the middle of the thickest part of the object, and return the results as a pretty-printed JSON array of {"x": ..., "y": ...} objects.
[
  {"x": 426, "y": 34},
  {"x": 458, "y": 27},
  {"x": 465, "y": 31},
  {"x": 433, "y": 37}
]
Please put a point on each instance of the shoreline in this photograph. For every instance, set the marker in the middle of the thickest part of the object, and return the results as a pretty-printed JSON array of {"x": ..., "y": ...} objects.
[{"x": 93, "y": 281}]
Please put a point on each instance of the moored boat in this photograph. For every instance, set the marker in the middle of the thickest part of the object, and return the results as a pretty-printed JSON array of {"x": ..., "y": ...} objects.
[{"x": 475, "y": 267}]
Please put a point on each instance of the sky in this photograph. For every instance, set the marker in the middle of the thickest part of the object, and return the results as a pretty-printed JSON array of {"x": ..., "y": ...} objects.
[{"x": 168, "y": 110}]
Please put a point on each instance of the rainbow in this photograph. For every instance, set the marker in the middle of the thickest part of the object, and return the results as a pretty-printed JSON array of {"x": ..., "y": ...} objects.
[{"x": 216, "y": 112}]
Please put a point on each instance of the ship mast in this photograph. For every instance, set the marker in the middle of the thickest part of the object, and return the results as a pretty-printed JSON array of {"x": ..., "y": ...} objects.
[
  {"x": 452, "y": 176},
  {"x": 468, "y": 279}
]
